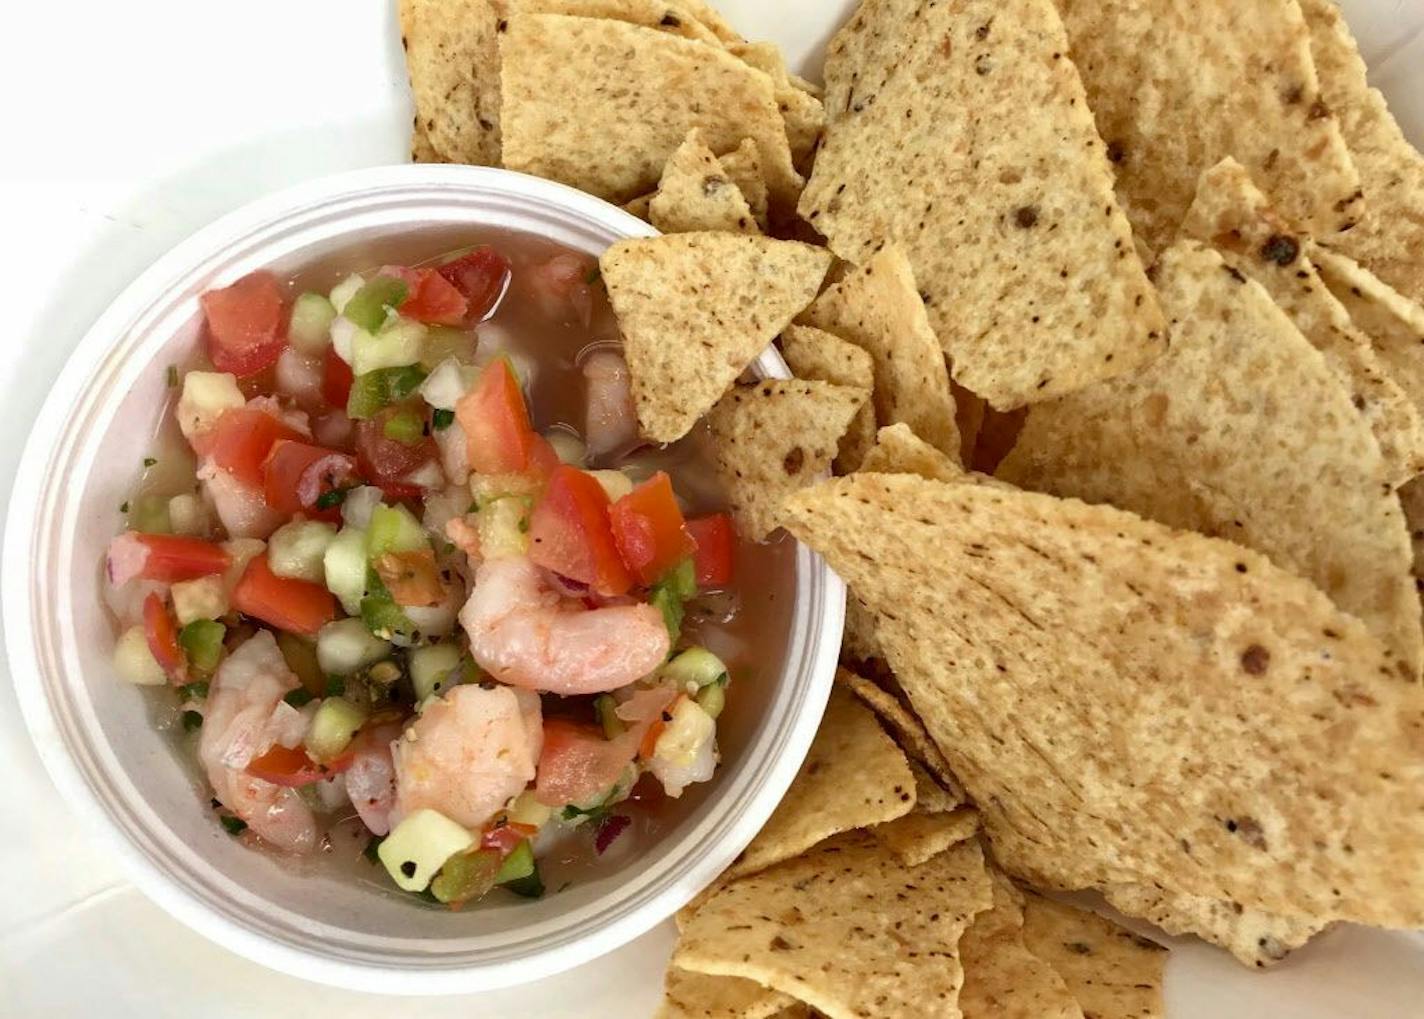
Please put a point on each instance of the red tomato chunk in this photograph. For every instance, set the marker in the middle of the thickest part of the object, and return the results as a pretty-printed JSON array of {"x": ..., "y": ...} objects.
[
  {"x": 246, "y": 324},
  {"x": 243, "y": 438},
  {"x": 569, "y": 533},
  {"x": 290, "y": 766},
  {"x": 165, "y": 558},
  {"x": 298, "y": 474},
  {"x": 481, "y": 276},
  {"x": 389, "y": 462},
  {"x": 716, "y": 541},
  {"x": 294, "y": 605},
  {"x": 649, "y": 530},
  {"x": 496, "y": 422},
  {"x": 162, "y": 636},
  {"x": 336, "y": 379},
  {"x": 577, "y": 765}
]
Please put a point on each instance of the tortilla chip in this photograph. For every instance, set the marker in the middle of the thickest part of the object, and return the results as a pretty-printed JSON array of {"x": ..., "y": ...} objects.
[
  {"x": 1171, "y": 103},
  {"x": 1411, "y": 500},
  {"x": 743, "y": 166},
  {"x": 1255, "y": 937},
  {"x": 805, "y": 117},
  {"x": 602, "y": 105},
  {"x": 878, "y": 308},
  {"x": 695, "y": 194},
  {"x": 979, "y": 158},
  {"x": 917, "y": 837},
  {"x": 712, "y": 18},
  {"x": 1233, "y": 216},
  {"x": 1002, "y": 978},
  {"x": 696, "y": 309},
  {"x": 1126, "y": 703},
  {"x": 859, "y": 643},
  {"x": 640, "y": 206},
  {"x": 831, "y": 928},
  {"x": 819, "y": 356},
  {"x": 898, "y": 450},
  {"x": 452, "y": 55},
  {"x": 1241, "y": 431},
  {"x": 1390, "y": 235},
  {"x": 853, "y": 777},
  {"x": 688, "y": 995},
  {"x": 908, "y": 730},
  {"x": 1112, "y": 972},
  {"x": 771, "y": 438},
  {"x": 421, "y": 151}
]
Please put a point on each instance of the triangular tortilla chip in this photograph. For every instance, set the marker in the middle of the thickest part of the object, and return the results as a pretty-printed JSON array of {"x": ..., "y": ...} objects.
[
  {"x": 1128, "y": 703},
  {"x": 1390, "y": 235},
  {"x": 672, "y": 18},
  {"x": 908, "y": 730},
  {"x": 695, "y": 194},
  {"x": 1172, "y": 103},
  {"x": 421, "y": 151},
  {"x": 1019, "y": 249},
  {"x": 832, "y": 928},
  {"x": 805, "y": 117},
  {"x": 1241, "y": 431},
  {"x": 1235, "y": 217},
  {"x": 640, "y": 206},
  {"x": 1002, "y": 978},
  {"x": 712, "y": 18},
  {"x": 452, "y": 55},
  {"x": 688, "y": 995},
  {"x": 696, "y": 309},
  {"x": 771, "y": 438},
  {"x": 853, "y": 777},
  {"x": 898, "y": 450},
  {"x": 1411, "y": 500},
  {"x": 859, "y": 643},
  {"x": 817, "y": 355},
  {"x": 602, "y": 104},
  {"x": 743, "y": 165},
  {"x": 1112, "y": 972},
  {"x": 878, "y": 308},
  {"x": 969, "y": 413},
  {"x": 917, "y": 837},
  {"x": 1255, "y": 937}
]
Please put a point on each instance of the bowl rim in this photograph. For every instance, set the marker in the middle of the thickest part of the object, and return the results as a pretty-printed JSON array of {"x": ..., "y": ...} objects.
[{"x": 23, "y": 530}]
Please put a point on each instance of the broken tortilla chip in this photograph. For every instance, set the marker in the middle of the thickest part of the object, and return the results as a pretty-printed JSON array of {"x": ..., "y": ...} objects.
[
  {"x": 695, "y": 194},
  {"x": 805, "y": 117},
  {"x": 830, "y": 928},
  {"x": 696, "y": 309},
  {"x": 858, "y": 643},
  {"x": 1002, "y": 978},
  {"x": 909, "y": 732},
  {"x": 712, "y": 18},
  {"x": 1126, "y": 703},
  {"x": 1019, "y": 249},
  {"x": 853, "y": 777},
  {"x": 771, "y": 438},
  {"x": 743, "y": 166},
  {"x": 1241, "y": 431},
  {"x": 640, "y": 206},
  {"x": 1232, "y": 215},
  {"x": 688, "y": 995},
  {"x": 917, "y": 837},
  {"x": 452, "y": 56},
  {"x": 898, "y": 450},
  {"x": 421, "y": 151},
  {"x": 1112, "y": 972},
  {"x": 1172, "y": 103},
  {"x": 819, "y": 356}
]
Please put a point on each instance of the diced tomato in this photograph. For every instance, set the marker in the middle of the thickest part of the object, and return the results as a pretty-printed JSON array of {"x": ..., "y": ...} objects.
[
  {"x": 242, "y": 438},
  {"x": 411, "y": 577},
  {"x": 716, "y": 541},
  {"x": 294, "y": 605},
  {"x": 336, "y": 379},
  {"x": 506, "y": 837},
  {"x": 431, "y": 298},
  {"x": 298, "y": 474},
  {"x": 481, "y": 276},
  {"x": 387, "y": 462},
  {"x": 569, "y": 533},
  {"x": 577, "y": 765},
  {"x": 292, "y": 767},
  {"x": 165, "y": 558},
  {"x": 649, "y": 529},
  {"x": 496, "y": 422},
  {"x": 162, "y": 637},
  {"x": 543, "y": 460},
  {"x": 245, "y": 324}
]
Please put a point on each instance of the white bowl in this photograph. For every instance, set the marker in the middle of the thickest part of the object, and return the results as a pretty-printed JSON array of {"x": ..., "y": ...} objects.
[{"x": 94, "y": 732}]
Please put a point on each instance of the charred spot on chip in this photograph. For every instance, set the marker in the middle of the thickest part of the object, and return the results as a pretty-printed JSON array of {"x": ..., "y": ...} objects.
[
  {"x": 1280, "y": 249},
  {"x": 1026, "y": 216},
  {"x": 1255, "y": 660},
  {"x": 1294, "y": 95},
  {"x": 983, "y": 64},
  {"x": 1117, "y": 152},
  {"x": 982, "y": 32},
  {"x": 1234, "y": 273},
  {"x": 1318, "y": 110},
  {"x": 671, "y": 21},
  {"x": 794, "y": 461},
  {"x": 712, "y": 184},
  {"x": 1078, "y": 947},
  {"x": 780, "y": 944}
]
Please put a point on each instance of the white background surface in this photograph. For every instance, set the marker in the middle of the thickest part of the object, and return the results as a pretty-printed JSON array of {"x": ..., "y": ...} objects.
[{"x": 125, "y": 127}]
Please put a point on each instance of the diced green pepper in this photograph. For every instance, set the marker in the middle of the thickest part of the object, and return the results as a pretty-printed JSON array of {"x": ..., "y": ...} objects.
[
  {"x": 695, "y": 667},
  {"x": 518, "y": 865},
  {"x": 404, "y": 426},
  {"x": 202, "y": 642},
  {"x": 233, "y": 825},
  {"x": 607, "y": 709},
  {"x": 370, "y": 305},
  {"x": 675, "y": 586},
  {"x": 466, "y": 876},
  {"x": 376, "y": 389},
  {"x": 384, "y": 618},
  {"x": 670, "y": 605},
  {"x": 681, "y": 580}
]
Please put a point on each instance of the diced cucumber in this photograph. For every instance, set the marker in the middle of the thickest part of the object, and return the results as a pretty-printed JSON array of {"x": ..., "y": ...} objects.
[
  {"x": 369, "y": 306},
  {"x": 188, "y": 515},
  {"x": 570, "y": 448},
  {"x": 615, "y": 483},
  {"x": 444, "y": 386},
  {"x": 206, "y": 395},
  {"x": 298, "y": 550},
  {"x": 300, "y": 655},
  {"x": 204, "y": 598},
  {"x": 607, "y": 710},
  {"x": 696, "y": 667},
  {"x": 485, "y": 488},
  {"x": 387, "y": 620},
  {"x": 517, "y": 865},
  {"x": 466, "y": 876},
  {"x": 310, "y": 327},
  {"x": 445, "y": 342},
  {"x": 134, "y": 662},
  {"x": 669, "y": 593},
  {"x": 394, "y": 529},
  {"x": 335, "y": 722},
  {"x": 615, "y": 793},
  {"x": 346, "y": 646},
  {"x": 149, "y": 514},
  {"x": 681, "y": 580},
  {"x": 395, "y": 346},
  {"x": 526, "y": 809},
  {"x": 405, "y": 426},
  {"x": 344, "y": 567},
  {"x": 434, "y": 669},
  {"x": 503, "y": 526},
  {"x": 419, "y": 846},
  {"x": 376, "y": 389},
  {"x": 202, "y": 643},
  {"x": 712, "y": 698},
  {"x": 345, "y": 290},
  {"x": 531, "y": 886}
]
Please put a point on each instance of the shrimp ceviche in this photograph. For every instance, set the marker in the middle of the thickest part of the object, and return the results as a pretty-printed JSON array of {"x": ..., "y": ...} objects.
[{"x": 390, "y": 583}]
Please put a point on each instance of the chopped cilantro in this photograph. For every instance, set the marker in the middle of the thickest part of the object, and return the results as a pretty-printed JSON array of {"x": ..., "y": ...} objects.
[
  {"x": 192, "y": 720},
  {"x": 233, "y": 825},
  {"x": 593, "y": 276},
  {"x": 124, "y": 506},
  {"x": 171, "y": 375},
  {"x": 335, "y": 686},
  {"x": 149, "y": 461},
  {"x": 298, "y": 698},
  {"x": 330, "y": 499},
  {"x": 441, "y": 419}
]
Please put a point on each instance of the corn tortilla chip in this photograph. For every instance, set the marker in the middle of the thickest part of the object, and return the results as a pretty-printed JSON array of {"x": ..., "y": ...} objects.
[
  {"x": 802, "y": 111},
  {"x": 917, "y": 837},
  {"x": 743, "y": 166},
  {"x": 771, "y": 438},
  {"x": 1233, "y": 216},
  {"x": 1126, "y": 703},
  {"x": 1255, "y": 937},
  {"x": 695, "y": 194},
  {"x": 909, "y": 732},
  {"x": 997, "y": 434},
  {"x": 930, "y": 796},
  {"x": 1112, "y": 972},
  {"x": 672, "y": 18},
  {"x": 1019, "y": 249},
  {"x": 878, "y": 308},
  {"x": 853, "y": 777},
  {"x": 819, "y": 356},
  {"x": 1241, "y": 431},
  {"x": 421, "y": 151},
  {"x": 1171, "y": 103},
  {"x": 696, "y": 309},
  {"x": 831, "y": 929},
  {"x": 640, "y": 206},
  {"x": 969, "y": 413},
  {"x": 1390, "y": 235},
  {"x": 1002, "y": 978},
  {"x": 898, "y": 450},
  {"x": 572, "y": 87},
  {"x": 712, "y": 18},
  {"x": 689, "y": 995},
  {"x": 1411, "y": 500},
  {"x": 452, "y": 55},
  {"x": 859, "y": 643}
]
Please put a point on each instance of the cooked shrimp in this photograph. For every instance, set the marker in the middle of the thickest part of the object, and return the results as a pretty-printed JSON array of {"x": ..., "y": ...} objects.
[
  {"x": 371, "y": 779},
  {"x": 242, "y": 720},
  {"x": 523, "y": 633},
  {"x": 562, "y": 284},
  {"x": 469, "y": 753},
  {"x": 611, "y": 423}
]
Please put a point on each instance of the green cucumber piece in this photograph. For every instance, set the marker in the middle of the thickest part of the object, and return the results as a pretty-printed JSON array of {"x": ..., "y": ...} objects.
[
  {"x": 419, "y": 846},
  {"x": 370, "y": 305},
  {"x": 346, "y": 646},
  {"x": 384, "y": 618},
  {"x": 149, "y": 515},
  {"x": 442, "y": 342},
  {"x": 695, "y": 667},
  {"x": 202, "y": 643},
  {"x": 376, "y": 389},
  {"x": 530, "y": 887},
  {"x": 342, "y": 293},
  {"x": 394, "y": 529},
  {"x": 404, "y": 426},
  {"x": 335, "y": 722},
  {"x": 607, "y": 709},
  {"x": 434, "y": 669},
  {"x": 712, "y": 698},
  {"x": 310, "y": 327},
  {"x": 519, "y": 864},
  {"x": 396, "y": 346},
  {"x": 344, "y": 566},
  {"x": 466, "y": 876}
]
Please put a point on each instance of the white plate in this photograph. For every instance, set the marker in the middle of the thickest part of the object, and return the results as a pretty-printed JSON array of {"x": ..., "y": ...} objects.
[{"x": 127, "y": 126}]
